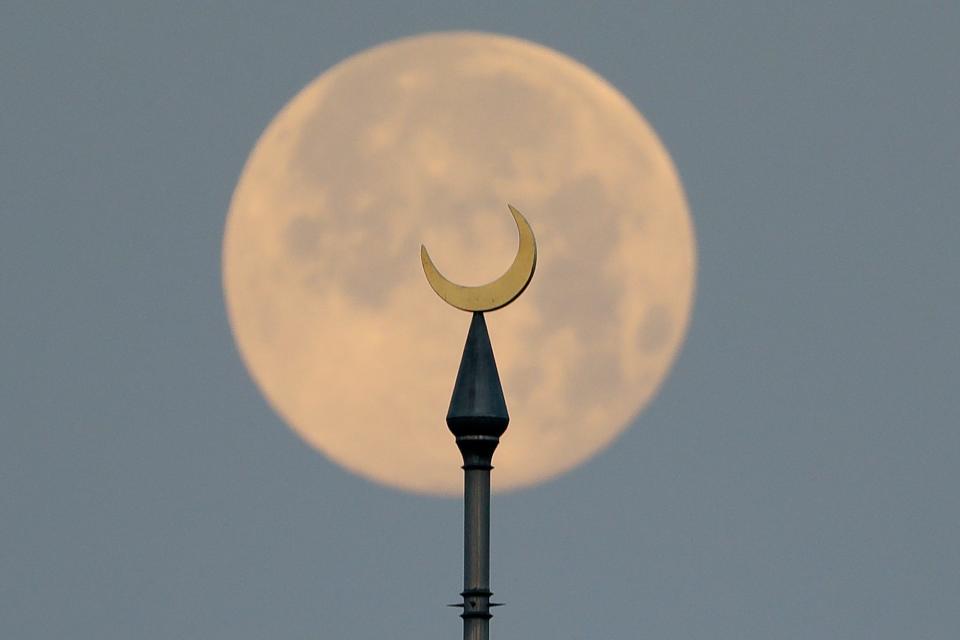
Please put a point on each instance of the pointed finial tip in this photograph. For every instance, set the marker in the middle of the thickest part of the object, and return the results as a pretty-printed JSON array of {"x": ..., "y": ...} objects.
[{"x": 477, "y": 406}]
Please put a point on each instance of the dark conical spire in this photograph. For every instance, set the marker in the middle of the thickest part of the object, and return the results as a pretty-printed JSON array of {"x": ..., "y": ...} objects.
[{"x": 477, "y": 406}]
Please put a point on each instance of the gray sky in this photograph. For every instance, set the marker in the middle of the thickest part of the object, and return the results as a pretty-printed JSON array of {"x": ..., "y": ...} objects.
[{"x": 796, "y": 477}]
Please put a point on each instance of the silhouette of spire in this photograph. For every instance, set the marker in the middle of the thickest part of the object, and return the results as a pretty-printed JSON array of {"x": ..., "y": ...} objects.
[{"x": 477, "y": 407}]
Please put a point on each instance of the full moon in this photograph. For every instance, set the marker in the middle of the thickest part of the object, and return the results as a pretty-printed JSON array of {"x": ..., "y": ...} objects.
[{"x": 426, "y": 140}]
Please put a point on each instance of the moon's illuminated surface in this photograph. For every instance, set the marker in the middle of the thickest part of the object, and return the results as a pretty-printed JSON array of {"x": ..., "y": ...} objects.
[{"x": 426, "y": 140}]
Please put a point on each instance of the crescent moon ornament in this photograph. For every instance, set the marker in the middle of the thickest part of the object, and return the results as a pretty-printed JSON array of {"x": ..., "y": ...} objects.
[{"x": 496, "y": 294}]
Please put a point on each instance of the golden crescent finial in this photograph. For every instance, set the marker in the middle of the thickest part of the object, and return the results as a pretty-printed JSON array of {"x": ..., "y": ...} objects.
[{"x": 501, "y": 291}]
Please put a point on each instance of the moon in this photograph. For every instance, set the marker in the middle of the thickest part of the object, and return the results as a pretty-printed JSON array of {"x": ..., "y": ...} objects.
[{"x": 425, "y": 140}]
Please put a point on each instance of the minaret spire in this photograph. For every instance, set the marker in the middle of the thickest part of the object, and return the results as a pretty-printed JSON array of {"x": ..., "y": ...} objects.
[{"x": 477, "y": 417}]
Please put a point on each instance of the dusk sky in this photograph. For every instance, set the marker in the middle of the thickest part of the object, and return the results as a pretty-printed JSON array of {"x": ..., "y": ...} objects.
[{"x": 796, "y": 476}]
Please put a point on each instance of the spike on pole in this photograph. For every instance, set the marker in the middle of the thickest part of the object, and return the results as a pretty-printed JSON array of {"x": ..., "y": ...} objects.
[{"x": 477, "y": 417}]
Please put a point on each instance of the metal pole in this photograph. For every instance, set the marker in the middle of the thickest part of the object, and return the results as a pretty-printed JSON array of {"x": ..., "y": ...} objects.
[
  {"x": 476, "y": 542},
  {"x": 477, "y": 417}
]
